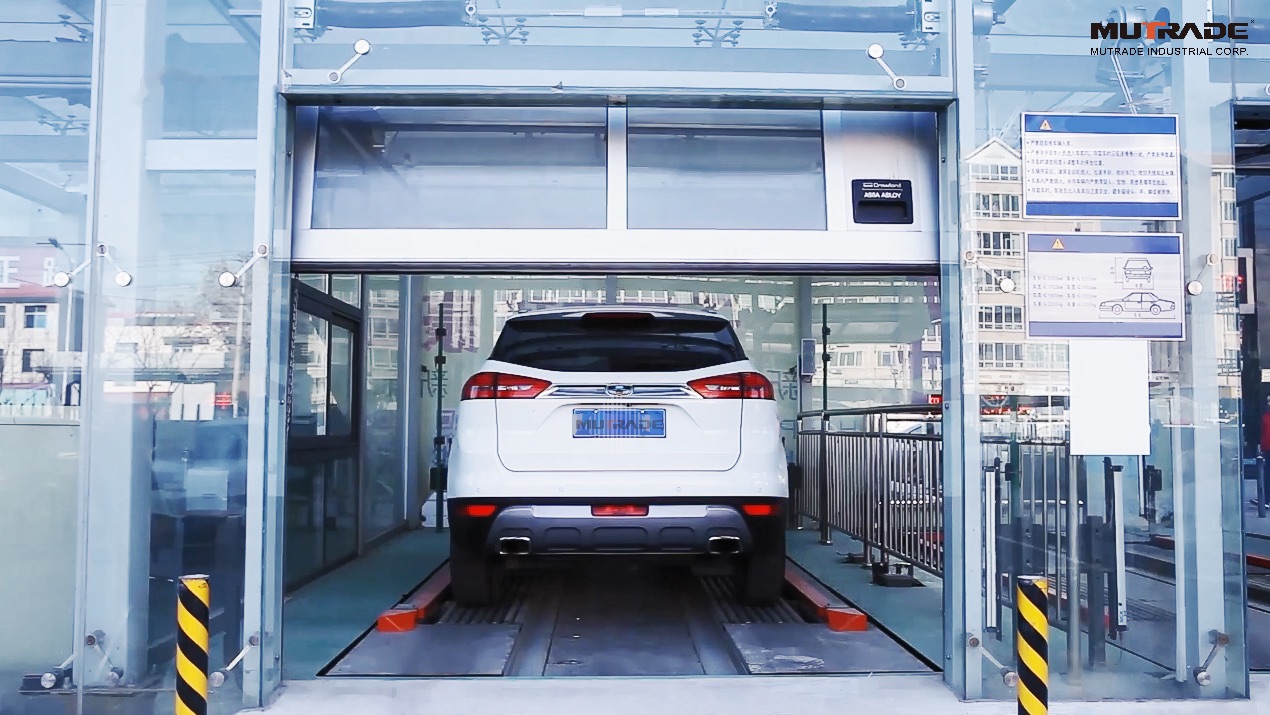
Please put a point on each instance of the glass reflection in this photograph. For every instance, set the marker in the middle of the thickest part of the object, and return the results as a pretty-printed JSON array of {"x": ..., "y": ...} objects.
[
  {"x": 750, "y": 169},
  {"x": 754, "y": 40},
  {"x": 430, "y": 167},
  {"x": 1140, "y": 551}
]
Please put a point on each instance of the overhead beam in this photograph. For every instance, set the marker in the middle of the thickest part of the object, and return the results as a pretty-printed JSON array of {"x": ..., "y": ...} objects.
[
  {"x": 43, "y": 148},
  {"x": 35, "y": 60},
  {"x": 238, "y": 22},
  {"x": 34, "y": 189}
]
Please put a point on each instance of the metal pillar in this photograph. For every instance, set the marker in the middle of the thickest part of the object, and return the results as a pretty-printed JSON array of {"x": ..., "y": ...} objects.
[
  {"x": 1202, "y": 102},
  {"x": 826, "y": 532},
  {"x": 1072, "y": 589},
  {"x": 409, "y": 367}
]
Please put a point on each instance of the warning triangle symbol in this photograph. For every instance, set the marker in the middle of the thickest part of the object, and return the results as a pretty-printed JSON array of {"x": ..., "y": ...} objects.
[
  {"x": 1045, "y": 125},
  {"x": 1058, "y": 245}
]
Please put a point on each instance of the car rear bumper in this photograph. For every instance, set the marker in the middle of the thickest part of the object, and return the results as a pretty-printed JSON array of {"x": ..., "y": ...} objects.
[{"x": 570, "y": 529}]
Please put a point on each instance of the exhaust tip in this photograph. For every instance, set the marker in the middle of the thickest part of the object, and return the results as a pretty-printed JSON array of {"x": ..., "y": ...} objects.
[
  {"x": 513, "y": 545},
  {"x": 723, "y": 545}
]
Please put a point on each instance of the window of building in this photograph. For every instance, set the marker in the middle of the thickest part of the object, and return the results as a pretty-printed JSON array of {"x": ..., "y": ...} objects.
[
  {"x": 989, "y": 279},
  {"x": 383, "y": 358},
  {"x": 1047, "y": 356},
  {"x": 933, "y": 332},
  {"x": 1228, "y": 179},
  {"x": 1001, "y": 355},
  {"x": 31, "y": 359},
  {"x": 999, "y": 243},
  {"x": 383, "y": 328},
  {"x": 1000, "y": 317},
  {"x": 997, "y": 206},
  {"x": 1228, "y": 211},
  {"x": 994, "y": 172},
  {"x": 847, "y": 358},
  {"x": 36, "y": 317},
  {"x": 889, "y": 358}
]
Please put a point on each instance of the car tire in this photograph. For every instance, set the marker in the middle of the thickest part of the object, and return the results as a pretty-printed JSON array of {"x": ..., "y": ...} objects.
[
  {"x": 1117, "y": 309},
  {"x": 761, "y": 577},
  {"x": 1155, "y": 310},
  {"x": 474, "y": 577}
]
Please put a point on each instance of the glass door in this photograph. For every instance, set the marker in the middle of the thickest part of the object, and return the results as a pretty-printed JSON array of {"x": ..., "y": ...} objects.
[{"x": 323, "y": 470}]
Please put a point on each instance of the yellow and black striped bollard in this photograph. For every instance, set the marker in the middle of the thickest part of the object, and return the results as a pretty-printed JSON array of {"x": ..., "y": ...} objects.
[
  {"x": 1032, "y": 645},
  {"x": 193, "y": 609}
]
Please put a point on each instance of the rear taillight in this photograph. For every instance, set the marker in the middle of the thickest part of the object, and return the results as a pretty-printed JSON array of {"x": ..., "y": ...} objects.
[
  {"x": 501, "y": 386},
  {"x": 479, "y": 510},
  {"x": 738, "y": 385},
  {"x": 619, "y": 510},
  {"x": 758, "y": 509}
]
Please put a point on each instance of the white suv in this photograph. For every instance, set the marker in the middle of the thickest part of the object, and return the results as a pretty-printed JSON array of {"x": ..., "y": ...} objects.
[{"x": 617, "y": 429}]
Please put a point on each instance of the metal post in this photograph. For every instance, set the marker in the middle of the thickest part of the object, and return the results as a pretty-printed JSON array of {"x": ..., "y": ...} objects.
[
  {"x": 438, "y": 440},
  {"x": 826, "y": 537},
  {"x": 1261, "y": 487},
  {"x": 193, "y": 612},
  {"x": 1032, "y": 645},
  {"x": 1073, "y": 568}
]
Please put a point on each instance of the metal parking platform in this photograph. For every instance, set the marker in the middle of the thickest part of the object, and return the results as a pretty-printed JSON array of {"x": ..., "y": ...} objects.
[{"x": 621, "y": 619}]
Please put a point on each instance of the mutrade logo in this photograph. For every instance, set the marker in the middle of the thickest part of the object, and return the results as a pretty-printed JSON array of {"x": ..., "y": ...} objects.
[
  {"x": 1152, "y": 38},
  {"x": 1168, "y": 30}
]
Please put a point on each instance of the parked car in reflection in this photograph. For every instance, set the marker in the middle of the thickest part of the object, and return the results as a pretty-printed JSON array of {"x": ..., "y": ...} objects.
[{"x": 1138, "y": 303}]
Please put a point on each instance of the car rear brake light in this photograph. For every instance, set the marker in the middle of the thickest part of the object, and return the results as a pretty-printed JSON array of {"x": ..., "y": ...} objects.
[
  {"x": 622, "y": 315},
  {"x": 619, "y": 510},
  {"x": 501, "y": 386},
  {"x": 738, "y": 385},
  {"x": 481, "y": 510},
  {"x": 758, "y": 509}
]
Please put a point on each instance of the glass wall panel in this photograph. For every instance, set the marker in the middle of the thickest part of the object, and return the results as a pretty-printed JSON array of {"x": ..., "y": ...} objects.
[
  {"x": 310, "y": 389},
  {"x": 424, "y": 167},
  {"x": 174, "y": 199},
  {"x": 701, "y": 168},
  {"x": 383, "y": 404},
  {"x": 1252, "y": 58},
  {"x": 752, "y": 45},
  {"x": 1134, "y": 524},
  {"x": 45, "y": 62},
  {"x": 472, "y": 310},
  {"x": 884, "y": 340},
  {"x": 347, "y": 289}
]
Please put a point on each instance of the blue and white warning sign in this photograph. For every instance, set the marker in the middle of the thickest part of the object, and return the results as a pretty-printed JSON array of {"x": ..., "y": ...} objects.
[
  {"x": 1101, "y": 166},
  {"x": 1102, "y": 285}
]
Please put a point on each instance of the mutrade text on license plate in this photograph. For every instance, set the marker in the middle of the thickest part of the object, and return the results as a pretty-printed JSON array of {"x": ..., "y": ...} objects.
[{"x": 619, "y": 423}]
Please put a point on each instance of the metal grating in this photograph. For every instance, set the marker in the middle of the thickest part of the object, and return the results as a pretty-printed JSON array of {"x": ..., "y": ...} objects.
[{"x": 728, "y": 609}]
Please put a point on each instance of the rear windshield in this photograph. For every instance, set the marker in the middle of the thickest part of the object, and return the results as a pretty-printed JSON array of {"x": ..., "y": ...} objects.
[{"x": 618, "y": 343}]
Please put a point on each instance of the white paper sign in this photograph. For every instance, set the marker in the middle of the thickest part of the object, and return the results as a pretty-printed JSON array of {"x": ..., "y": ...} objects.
[{"x": 1109, "y": 402}]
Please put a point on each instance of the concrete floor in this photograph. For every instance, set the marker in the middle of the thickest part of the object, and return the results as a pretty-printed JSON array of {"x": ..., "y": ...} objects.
[
  {"x": 914, "y": 615},
  {"x": 322, "y": 618},
  {"x": 741, "y": 695}
]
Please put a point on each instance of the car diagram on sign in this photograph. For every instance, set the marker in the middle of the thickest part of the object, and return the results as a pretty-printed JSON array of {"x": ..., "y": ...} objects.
[
  {"x": 1136, "y": 270},
  {"x": 1140, "y": 304},
  {"x": 1105, "y": 285}
]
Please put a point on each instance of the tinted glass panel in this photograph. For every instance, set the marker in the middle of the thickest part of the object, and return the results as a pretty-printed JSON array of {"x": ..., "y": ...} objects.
[
  {"x": 719, "y": 169},
  {"x": 623, "y": 342},
  {"x": 426, "y": 167}
]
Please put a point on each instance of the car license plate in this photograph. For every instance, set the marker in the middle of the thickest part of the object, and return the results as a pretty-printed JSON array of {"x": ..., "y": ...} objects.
[{"x": 619, "y": 423}]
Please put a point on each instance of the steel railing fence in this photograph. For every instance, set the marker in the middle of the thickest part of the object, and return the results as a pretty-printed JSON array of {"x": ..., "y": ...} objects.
[
  {"x": 881, "y": 488},
  {"x": 885, "y": 489}
]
